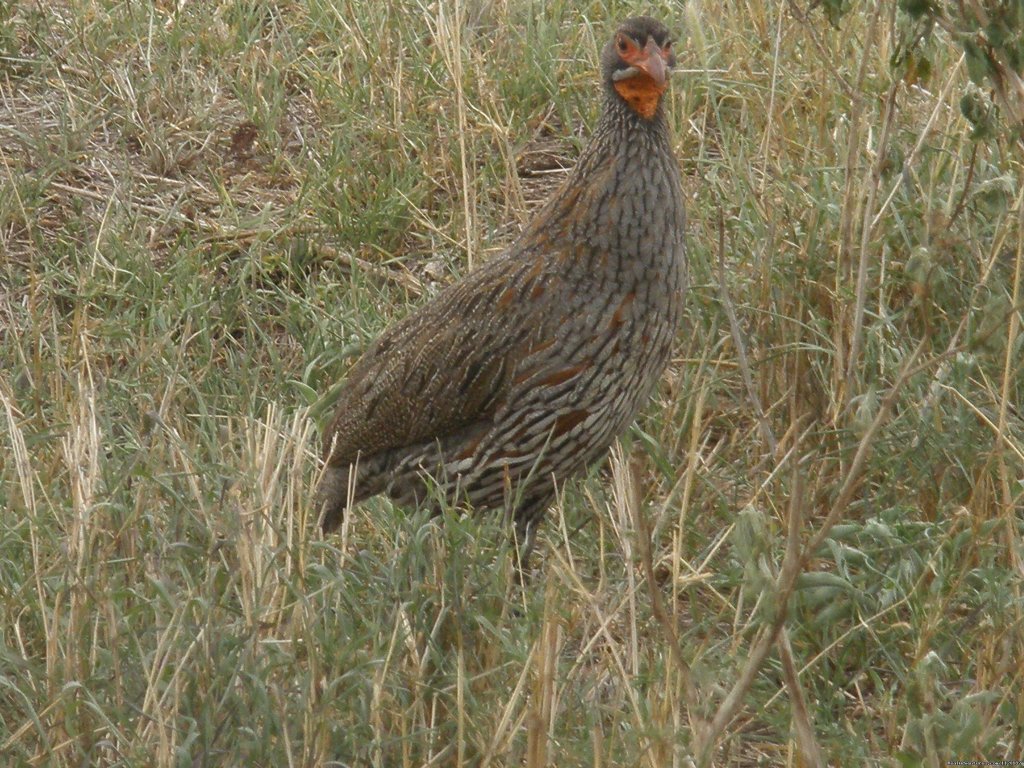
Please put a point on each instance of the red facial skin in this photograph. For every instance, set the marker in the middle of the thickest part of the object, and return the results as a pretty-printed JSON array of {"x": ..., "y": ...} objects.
[{"x": 643, "y": 84}]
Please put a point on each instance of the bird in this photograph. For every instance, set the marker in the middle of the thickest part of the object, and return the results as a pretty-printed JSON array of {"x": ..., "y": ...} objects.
[{"x": 521, "y": 374}]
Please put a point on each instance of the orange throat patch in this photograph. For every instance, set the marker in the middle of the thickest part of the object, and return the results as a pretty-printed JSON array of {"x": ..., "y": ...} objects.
[{"x": 641, "y": 93}]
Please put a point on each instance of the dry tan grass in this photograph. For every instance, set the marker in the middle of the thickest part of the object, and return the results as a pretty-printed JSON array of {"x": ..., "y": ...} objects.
[{"x": 808, "y": 552}]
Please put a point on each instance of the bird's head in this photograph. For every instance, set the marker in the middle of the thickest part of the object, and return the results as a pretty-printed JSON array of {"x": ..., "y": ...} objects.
[{"x": 636, "y": 63}]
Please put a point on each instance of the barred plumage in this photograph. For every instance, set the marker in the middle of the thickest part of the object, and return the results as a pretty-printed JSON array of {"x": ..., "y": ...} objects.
[{"x": 523, "y": 373}]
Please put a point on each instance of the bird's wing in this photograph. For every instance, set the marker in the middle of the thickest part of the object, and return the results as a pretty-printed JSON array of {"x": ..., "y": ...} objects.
[{"x": 446, "y": 366}]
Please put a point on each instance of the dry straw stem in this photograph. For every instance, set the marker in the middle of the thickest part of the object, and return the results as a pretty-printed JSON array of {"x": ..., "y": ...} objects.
[
  {"x": 796, "y": 559},
  {"x": 798, "y": 702},
  {"x": 941, "y": 105},
  {"x": 543, "y": 701},
  {"x": 861, "y": 291},
  {"x": 447, "y": 26},
  {"x": 956, "y": 345},
  {"x": 604, "y": 619},
  {"x": 1008, "y": 479},
  {"x": 626, "y": 483},
  {"x": 741, "y": 347},
  {"x": 810, "y": 28},
  {"x": 861, "y": 193},
  {"x": 509, "y": 724},
  {"x": 851, "y": 198}
]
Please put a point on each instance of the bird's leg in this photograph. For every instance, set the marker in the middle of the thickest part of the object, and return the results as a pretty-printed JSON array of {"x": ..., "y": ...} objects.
[
  {"x": 527, "y": 518},
  {"x": 332, "y": 497}
]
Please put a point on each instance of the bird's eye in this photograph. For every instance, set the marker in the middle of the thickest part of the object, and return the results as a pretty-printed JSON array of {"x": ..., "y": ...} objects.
[
  {"x": 667, "y": 47},
  {"x": 623, "y": 45}
]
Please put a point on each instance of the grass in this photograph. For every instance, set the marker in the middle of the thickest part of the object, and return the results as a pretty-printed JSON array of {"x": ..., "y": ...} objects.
[{"x": 809, "y": 551}]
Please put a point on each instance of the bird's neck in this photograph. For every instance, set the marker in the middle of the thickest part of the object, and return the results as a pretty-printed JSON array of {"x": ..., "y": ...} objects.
[
  {"x": 611, "y": 208},
  {"x": 626, "y": 154},
  {"x": 625, "y": 146},
  {"x": 619, "y": 121}
]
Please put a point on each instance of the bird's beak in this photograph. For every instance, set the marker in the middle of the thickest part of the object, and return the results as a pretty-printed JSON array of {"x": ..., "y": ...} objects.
[{"x": 652, "y": 63}]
